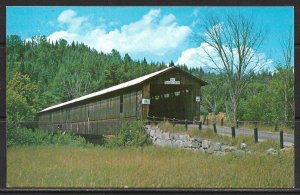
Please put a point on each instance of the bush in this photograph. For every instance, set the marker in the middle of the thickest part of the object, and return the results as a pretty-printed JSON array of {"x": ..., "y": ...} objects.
[
  {"x": 24, "y": 136},
  {"x": 130, "y": 134}
]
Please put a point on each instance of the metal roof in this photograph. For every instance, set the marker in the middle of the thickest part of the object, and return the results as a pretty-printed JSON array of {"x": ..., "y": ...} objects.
[{"x": 117, "y": 87}]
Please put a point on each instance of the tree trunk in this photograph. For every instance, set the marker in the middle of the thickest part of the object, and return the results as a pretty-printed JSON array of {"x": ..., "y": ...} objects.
[{"x": 235, "y": 109}]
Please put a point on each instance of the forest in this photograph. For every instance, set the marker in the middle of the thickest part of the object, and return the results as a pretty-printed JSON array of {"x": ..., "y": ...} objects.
[{"x": 40, "y": 73}]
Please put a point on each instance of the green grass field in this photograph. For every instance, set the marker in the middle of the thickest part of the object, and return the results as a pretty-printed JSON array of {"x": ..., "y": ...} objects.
[{"x": 148, "y": 167}]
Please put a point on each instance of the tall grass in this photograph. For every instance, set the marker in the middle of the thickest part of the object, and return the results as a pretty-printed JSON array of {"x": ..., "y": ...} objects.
[
  {"x": 24, "y": 136},
  {"x": 151, "y": 166}
]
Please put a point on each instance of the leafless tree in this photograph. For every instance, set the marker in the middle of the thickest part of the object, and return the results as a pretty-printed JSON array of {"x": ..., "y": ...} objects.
[
  {"x": 286, "y": 73},
  {"x": 232, "y": 45}
]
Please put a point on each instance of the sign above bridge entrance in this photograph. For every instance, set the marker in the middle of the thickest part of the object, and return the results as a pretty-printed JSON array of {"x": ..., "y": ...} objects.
[{"x": 172, "y": 81}]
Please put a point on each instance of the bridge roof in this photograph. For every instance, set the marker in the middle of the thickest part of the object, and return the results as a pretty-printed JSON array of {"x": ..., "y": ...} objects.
[{"x": 130, "y": 83}]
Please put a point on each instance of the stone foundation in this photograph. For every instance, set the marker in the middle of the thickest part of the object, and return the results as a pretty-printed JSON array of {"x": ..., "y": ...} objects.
[{"x": 177, "y": 140}]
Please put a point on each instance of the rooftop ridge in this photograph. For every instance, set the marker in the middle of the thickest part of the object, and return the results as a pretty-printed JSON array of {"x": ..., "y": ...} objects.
[{"x": 110, "y": 89}]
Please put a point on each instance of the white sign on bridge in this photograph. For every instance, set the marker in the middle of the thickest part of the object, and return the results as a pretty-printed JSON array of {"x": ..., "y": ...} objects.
[
  {"x": 145, "y": 101},
  {"x": 172, "y": 81}
]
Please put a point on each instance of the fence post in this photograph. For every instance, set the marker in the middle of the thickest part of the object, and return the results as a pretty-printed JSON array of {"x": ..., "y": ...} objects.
[
  {"x": 215, "y": 127},
  {"x": 153, "y": 119},
  {"x": 281, "y": 139},
  {"x": 233, "y": 131},
  {"x": 276, "y": 126},
  {"x": 173, "y": 122},
  {"x": 200, "y": 125},
  {"x": 255, "y": 135},
  {"x": 222, "y": 121},
  {"x": 186, "y": 125}
]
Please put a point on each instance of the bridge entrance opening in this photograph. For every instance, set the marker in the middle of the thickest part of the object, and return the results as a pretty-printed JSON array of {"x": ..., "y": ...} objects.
[{"x": 171, "y": 101}]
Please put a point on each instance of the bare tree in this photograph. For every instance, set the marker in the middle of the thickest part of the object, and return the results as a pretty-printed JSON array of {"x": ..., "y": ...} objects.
[
  {"x": 285, "y": 71},
  {"x": 232, "y": 45}
]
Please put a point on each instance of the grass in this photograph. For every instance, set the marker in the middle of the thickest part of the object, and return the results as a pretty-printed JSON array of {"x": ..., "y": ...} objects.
[
  {"x": 207, "y": 134},
  {"x": 148, "y": 167}
]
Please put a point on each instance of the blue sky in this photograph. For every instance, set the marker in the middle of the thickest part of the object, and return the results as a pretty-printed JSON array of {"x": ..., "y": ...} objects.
[{"x": 157, "y": 33}]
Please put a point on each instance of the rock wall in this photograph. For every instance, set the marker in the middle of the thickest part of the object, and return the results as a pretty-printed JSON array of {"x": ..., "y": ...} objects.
[{"x": 177, "y": 140}]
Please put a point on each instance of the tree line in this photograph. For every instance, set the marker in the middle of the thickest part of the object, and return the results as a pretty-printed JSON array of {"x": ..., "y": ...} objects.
[{"x": 42, "y": 73}]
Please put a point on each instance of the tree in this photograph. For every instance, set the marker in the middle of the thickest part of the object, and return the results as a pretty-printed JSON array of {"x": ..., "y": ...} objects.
[
  {"x": 213, "y": 94},
  {"x": 22, "y": 98},
  {"x": 285, "y": 76},
  {"x": 171, "y": 63},
  {"x": 231, "y": 46}
]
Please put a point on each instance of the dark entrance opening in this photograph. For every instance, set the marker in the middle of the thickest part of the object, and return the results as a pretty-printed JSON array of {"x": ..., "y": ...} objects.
[{"x": 171, "y": 101}]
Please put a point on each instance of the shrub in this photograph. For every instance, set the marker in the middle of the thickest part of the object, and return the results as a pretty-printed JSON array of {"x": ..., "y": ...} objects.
[
  {"x": 25, "y": 136},
  {"x": 130, "y": 134}
]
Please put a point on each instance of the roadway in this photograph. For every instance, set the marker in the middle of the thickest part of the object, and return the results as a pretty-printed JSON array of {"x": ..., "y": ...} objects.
[{"x": 288, "y": 139}]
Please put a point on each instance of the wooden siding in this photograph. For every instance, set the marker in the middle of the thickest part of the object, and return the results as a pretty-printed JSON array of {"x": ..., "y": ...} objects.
[{"x": 94, "y": 118}]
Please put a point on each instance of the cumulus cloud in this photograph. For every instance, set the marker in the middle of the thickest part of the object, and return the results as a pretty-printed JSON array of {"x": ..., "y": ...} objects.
[
  {"x": 198, "y": 57},
  {"x": 72, "y": 21},
  {"x": 154, "y": 33}
]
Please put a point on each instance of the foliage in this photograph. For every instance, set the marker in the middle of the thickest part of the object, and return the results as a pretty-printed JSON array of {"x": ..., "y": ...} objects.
[
  {"x": 41, "y": 74},
  {"x": 65, "y": 71},
  {"x": 22, "y": 98},
  {"x": 130, "y": 134},
  {"x": 215, "y": 94},
  {"x": 22, "y": 136}
]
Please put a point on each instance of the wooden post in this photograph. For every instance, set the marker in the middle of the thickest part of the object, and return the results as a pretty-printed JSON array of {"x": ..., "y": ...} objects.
[
  {"x": 145, "y": 94},
  {"x": 200, "y": 125},
  {"x": 276, "y": 126},
  {"x": 153, "y": 119},
  {"x": 222, "y": 122},
  {"x": 281, "y": 139},
  {"x": 215, "y": 127},
  {"x": 233, "y": 131},
  {"x": 255, "y": 135},
  {"x": 173, "y": 122},
  {"x": 207, "y": 121},
  {"x": 186, "y": 125}
]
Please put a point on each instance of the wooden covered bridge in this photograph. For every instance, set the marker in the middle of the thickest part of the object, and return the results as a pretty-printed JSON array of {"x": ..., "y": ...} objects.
[{"x": 170, "y": 92}]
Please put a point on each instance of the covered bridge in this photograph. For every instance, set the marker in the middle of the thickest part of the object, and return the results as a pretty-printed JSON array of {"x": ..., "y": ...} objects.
[{"x": 171, "y": 93}]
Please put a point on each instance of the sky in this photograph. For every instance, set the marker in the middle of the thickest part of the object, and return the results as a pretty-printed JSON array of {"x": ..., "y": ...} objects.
[{"x": 159, "y": 34}]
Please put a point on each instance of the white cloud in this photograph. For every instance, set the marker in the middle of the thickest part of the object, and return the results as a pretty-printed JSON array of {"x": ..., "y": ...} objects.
[
  {"x": 101, "y": 19},
  {"x": 195, "y": 22},
  {"x": 51, "y": 23},
  {"x": 197, "y": 57},
  {"x": 69, "y": 18},
  {"x": 195, "y": 12},
  {"x": 154, "y": 33},
  {"x": 66, "y": 16},
  {"x": 113, "y": 23}
]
